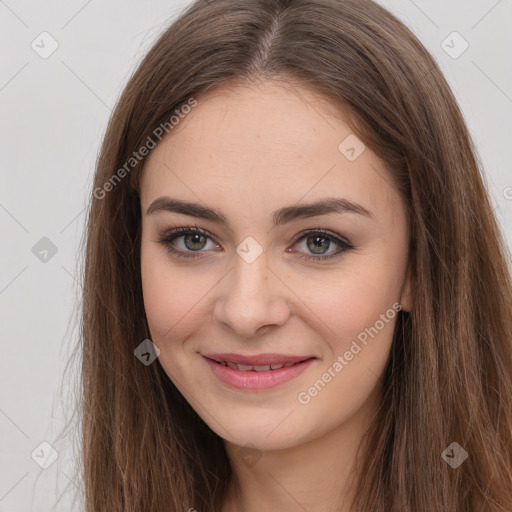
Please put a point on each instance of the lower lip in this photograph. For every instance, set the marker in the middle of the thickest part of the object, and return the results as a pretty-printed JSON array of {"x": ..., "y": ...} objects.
[{"x": 252, "y": 380}]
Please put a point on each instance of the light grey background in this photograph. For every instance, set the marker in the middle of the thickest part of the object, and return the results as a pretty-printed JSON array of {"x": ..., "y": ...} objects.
[{"x": 53, "y": 113}]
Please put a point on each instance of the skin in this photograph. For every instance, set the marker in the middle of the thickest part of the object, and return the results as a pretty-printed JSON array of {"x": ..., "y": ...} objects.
[{"x": 247, "y": 151}]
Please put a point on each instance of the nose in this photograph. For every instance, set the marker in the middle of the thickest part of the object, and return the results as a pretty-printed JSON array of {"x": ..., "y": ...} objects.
[{"x": 252, "y": 299}]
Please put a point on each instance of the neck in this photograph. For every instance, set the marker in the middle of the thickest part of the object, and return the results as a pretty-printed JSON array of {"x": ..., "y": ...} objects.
[{"x": 315, "y": 476}]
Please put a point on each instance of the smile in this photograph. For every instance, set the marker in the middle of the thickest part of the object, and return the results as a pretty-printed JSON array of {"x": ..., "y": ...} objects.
[
  {"x": 256, "y": 368},
  {"x": 257, "y": 376}
]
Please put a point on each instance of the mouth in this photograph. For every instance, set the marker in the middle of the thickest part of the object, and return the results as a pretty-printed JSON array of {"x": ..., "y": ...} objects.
[
  {"x": 257, "y": 363},
  {"x": 256, "y": 372}
]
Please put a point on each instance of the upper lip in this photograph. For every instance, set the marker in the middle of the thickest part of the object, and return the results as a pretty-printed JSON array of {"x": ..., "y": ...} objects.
[{"x": 258, "y": 359}]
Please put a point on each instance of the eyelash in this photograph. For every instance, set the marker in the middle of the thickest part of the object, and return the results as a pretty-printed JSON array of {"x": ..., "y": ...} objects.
[{"x": 179, "y": 232}]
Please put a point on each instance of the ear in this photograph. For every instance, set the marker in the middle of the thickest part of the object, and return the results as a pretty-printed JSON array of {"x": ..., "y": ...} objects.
[{"x": 406, "y": 292}]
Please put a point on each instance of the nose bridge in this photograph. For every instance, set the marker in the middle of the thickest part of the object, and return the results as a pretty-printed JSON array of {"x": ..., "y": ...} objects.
[
  {"x": 250, "y": 277},
  {"x": 248, "y": 300}
]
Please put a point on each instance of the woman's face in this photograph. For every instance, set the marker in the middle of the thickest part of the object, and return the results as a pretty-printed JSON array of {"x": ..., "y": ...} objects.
[{"x": 253, "y": 281}]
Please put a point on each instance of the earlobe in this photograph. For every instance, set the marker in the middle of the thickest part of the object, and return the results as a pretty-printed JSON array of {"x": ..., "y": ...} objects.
[{"x": 406, "y": 293}]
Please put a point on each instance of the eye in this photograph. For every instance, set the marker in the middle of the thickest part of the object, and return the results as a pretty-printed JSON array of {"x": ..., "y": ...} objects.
[
  {"x": 195, "y": 239},
  {"x": 319, "y": 241}
]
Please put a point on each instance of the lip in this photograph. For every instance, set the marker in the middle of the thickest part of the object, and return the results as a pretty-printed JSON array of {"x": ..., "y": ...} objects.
[
  {"x": 258, "y": 359},
  {"x": 253, "y": 380}
]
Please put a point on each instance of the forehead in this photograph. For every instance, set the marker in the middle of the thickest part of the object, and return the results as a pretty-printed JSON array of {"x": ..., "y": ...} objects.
[
  {"x": 262, "y": 145},
  {"x": 260, "y": 120}
]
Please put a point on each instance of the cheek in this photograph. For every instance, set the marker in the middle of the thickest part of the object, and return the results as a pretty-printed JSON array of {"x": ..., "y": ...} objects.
[
  {"x": 348, "y": 301},
  {"x": 177, "y": 300},
  {"x": 360, "y": 331},
  {"x": 361, "y": 319},
  {"x": 358, "y": 309},
  {"x": 168, "y": 292}
]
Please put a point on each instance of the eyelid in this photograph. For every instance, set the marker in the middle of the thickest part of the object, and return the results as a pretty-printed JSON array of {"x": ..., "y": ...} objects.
[
  {"x": 344, "y": 245},
  {"x": 174, "y": 233},
  {"x": 327, "y": 232}
]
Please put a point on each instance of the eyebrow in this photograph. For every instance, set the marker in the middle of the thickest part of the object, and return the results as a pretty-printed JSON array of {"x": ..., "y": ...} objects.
[{"x": 281, "y": 216}]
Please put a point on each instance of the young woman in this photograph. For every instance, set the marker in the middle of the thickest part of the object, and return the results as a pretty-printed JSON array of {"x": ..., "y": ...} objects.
[{"x": 296, "y": 295}]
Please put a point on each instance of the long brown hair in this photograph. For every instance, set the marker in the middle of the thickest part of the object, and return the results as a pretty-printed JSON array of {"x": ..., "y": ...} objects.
[{"x": 449, "y": 375}]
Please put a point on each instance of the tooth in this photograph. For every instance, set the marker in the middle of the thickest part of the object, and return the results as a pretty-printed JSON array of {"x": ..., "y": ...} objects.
[
  {"x": 276, "y": 366},
  {"x": 287, "y": 365},
  {"x": 232, "y": 365},
  {"x": 244, "y": 367},
  {"x": 262, "y": 368}
]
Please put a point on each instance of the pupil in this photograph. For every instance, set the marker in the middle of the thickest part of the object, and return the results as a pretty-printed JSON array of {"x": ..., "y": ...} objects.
[
  {"x": 196, "y": 238},
  {"x": 317, "y": 242}
]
